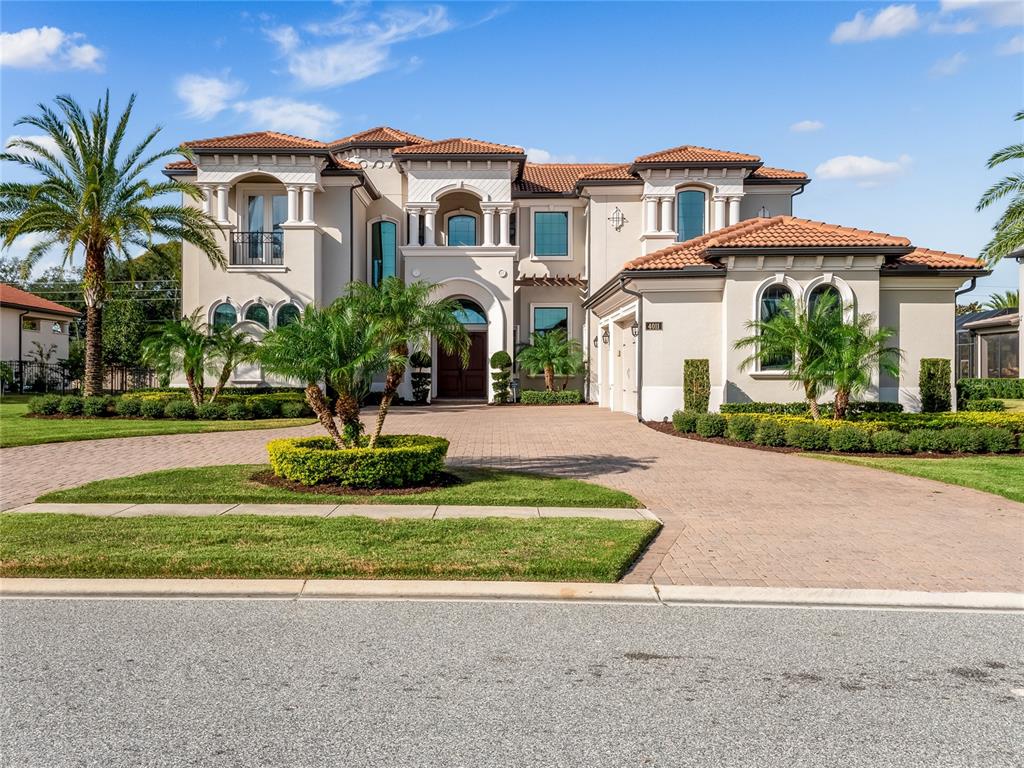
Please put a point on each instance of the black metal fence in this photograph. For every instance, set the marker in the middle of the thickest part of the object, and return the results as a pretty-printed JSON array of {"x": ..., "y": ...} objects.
[
  {"x": 26, "y": 376},
  {"x": 257, "y": 248}
]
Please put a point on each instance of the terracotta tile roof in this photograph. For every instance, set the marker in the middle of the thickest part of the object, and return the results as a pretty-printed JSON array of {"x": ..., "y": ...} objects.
[
  {"x": 186, "y": 165},
  {"x": 19, "y": 299},
  {"x": 460, "y": 147},
  {"x": 688, "y": 153},
  {"x": 559, "y": 178},
  {"x": 382, "y": 135},
  {"x": 615, "y": 172},
  {"x": 765, "y": 172},
  {"x": 340, "y": 162},
  {"x": 257, "y": 140},
  {"x": 926, "y": 257}
]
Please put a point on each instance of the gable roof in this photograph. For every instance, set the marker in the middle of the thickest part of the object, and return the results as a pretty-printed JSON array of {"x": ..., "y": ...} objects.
[
  {"x": 690, "y": 154},
  {"x": 559, "y": 178},
  {"x": 19, "y": 299},
  {"x": 381, "y": 136},
  {"x": 257, "y": 140},
  {"x": 462, "y": 147}
]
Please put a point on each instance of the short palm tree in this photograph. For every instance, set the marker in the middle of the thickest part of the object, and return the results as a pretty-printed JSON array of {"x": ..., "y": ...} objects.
[
  {"x": 794, "y": 340},
  {"x": 552, "y": 353},
  {"x": 92, "y": 196},
  {"x": 408, "y": 317},
  {"x": 228, "y": 349},
  {"x": 847, "y": 365},
  {"x": 1005, "y": 300},
  {"x": 1009, "y": 230},
  {"x": 180, "y": 345}
]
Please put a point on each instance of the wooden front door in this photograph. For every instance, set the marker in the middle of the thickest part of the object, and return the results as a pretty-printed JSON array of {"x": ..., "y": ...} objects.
[{"x": 455, "y": 381}]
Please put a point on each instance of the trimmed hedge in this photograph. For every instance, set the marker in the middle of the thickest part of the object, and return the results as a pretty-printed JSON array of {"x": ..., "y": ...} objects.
[
  {"x": 152, "y": 409},
  {"x": 155, "y": 405},
  {"x": 800, "y": 408},
  {"x": 935, "y": 383},
  {"x": 981, "y": 389},
  {"x": 807, "y": 435},
  {"x": 741, "y": 427},
  {"x": 211, "y": 412},
  {"x": 889, "y": 441},
  {"x": 696, "y": 385},
  {"x": 770, "y": 433},
  {"x": 543, "y": 397},
  {"x": 397, "y": 461},
  {"x": 71, "y": 405},
  {"x": 98, "y": 406},
  {"x": 711, "y": 425},
  {"x": 849, "y": 438},
  {"x": 44, "y": 405},
  {"x": 685, "y": 421},
  {"x": 985, "y": 405},
  {"x": 180, "y": 409}
]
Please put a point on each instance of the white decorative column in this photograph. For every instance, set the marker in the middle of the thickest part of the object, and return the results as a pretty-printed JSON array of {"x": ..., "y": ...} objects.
[
  {"x": 503, "y": 217},
  {"x": 488, "y": 226},
  {"x": 293, "y": 204},
  {"x": 719, "y": 220},
  {"x": 222, "y": 203},
  {"x": 207, "y": 191},
  {"x": 666, "y": 214},
  {"x": 307, "y": 205},
  {"x": 428, "y": 225},
  {"x": 414, "y": 225},
  {"x": 734, "y": 210},
  {"x": 651, "y": 214}
]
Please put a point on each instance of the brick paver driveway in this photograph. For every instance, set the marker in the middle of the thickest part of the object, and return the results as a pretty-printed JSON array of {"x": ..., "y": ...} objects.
[{"x": 732, "y": 516}]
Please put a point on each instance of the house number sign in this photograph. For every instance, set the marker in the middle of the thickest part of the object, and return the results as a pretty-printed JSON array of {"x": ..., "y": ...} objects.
[{"x": 652, "y": 325}]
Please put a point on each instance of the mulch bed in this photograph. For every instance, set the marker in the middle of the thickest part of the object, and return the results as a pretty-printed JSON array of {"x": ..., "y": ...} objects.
[{"x": 268, "y": 478}]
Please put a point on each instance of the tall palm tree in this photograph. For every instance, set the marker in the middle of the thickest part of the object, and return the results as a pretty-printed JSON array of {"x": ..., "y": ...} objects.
[
  {"x": 858, "y": 350},
  {"x": 1005, "y": 300},
  {"x": 229, "y": 348},
  {"x": 409, "y": 317},
  {"x": 795, "y": 340},
  {"x": 552, "y": 353},
  {"x": 180, "y": 345},
  {"x": 92, "y": 197},
  {"x": 1009, "y": 230}
]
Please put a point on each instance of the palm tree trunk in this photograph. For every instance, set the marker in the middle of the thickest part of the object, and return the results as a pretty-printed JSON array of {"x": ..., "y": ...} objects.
[
  {"x": 93, "y": 288},
  {"x": 193, "y": 390},
  {"x": 224, "y": 375},
  {"x": 347, "y": 408},
  {"x": 315, "y": 399},
  {"x": 391, "y": 383},
  {"x": 841, "y": 404},
  {"x": 811, "y": 394},
  {"x": 549, "y": 378}
]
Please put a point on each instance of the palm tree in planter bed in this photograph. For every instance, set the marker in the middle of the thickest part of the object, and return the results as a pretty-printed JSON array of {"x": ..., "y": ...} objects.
[
  {"x": 230, "y": 348},
  {"x": 848, "y": 364},
  {"x": 180, "y": 345},
  {"x": 93, "y": 196},
  {"x": 552, "y": 353},
  {"x": 338, "y": 345}
]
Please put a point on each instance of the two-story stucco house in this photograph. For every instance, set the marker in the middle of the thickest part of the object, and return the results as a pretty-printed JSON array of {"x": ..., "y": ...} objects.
[{"x": 647, "y": 262}]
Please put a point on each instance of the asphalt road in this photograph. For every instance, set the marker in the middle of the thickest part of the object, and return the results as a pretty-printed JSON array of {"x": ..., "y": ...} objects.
[{"x": 315, "y": 684}]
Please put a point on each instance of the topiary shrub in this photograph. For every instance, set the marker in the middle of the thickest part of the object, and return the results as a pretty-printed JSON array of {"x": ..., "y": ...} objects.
[
  {"x": 770, "y": 432},
  {"x": 923, "y": 440},
  {"x": 263, "y": 407},
  {"x": 211, "y": 412},
  {"x": 97, "y": 406},
  {"x": 397, "y": 461},
  {"x": 180, "y": 409},
  {"x": 997, "y": 440},
  {"x": 543, "y": 397},
  {"x": 985, "y": 405},
  {"x": 44, "y": 405},
  {"x": 685, "y": 421},
  {"x": 71, "y": 405},
  {"x": 807, "y": 436},
  {"x": 741, "y": 427},
  {"x": 934, "y": 383},
  {"x": 849, "y": 438},
  {"x": 238, "y": 412},
  {"x": 960, "y": 440},
  {"x": 501, "y": 375},
  {"x": 420, "y": 362},
  {"x": 711, "y": 425},
  {"x": 696, "y": 385},
  {"x": 295, "y": 410},
  {"x": 128, "y": 406},
  {"x": 889, "y": 441},
  {"x": 152, "y": 409}
]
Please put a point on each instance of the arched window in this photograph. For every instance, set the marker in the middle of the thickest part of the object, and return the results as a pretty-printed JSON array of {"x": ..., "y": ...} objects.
[
  {"x": 821, "y": 292},
  {"x": 461, "y": 230},
  {"x": 287, "y": 315},
  {"x": 258, "y": 313},
  {"x": 470, "y": 313},
  {"x": 383, "y": 251},
  {"x": 691, "y": 205},
  {"x": 224, "y": 316},
  {"x": 770, "y": 306}
]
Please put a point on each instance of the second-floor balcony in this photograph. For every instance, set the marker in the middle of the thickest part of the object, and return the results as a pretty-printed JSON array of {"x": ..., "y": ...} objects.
[{"x": 257, "y": 249}]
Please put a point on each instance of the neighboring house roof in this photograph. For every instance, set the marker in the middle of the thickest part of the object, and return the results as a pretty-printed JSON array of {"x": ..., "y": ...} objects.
[
  {"x": 560, "y": 178},
  {"x": 461, "y": 147},
  {"x": 691, "y": 154},
  {"x": 257, "y": 140},
  {"x": 19, "y": 299},
  {"x": 381, "y": 136},
  {"x": 788, "y": 233}
]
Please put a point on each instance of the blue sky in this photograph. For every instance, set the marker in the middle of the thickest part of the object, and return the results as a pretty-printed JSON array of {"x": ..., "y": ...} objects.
[{"x": 892, "y": 108}]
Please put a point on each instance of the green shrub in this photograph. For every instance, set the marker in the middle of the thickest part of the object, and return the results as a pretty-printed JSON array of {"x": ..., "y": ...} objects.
[
  {"x": 152, "y": 408},
  {"x": 696, "y": 385},
  {"x": 237, "y": 411},
  {"x": 908, "y": 421},
  {"x": 889, "y": 441},
  {"x": 501, "y": 375},
  {"x": 263, "y": 407},
  {"x": 295, "y": 410},
  {"x": 849, "y": 438},
  {"x": 960, "y": 440},
  {"x": 770, "y": 432},
  {"x": 44, "y": 405},
  {"x": 741, "y": 427},
  {"x": 211, "y": 412},
  {"x": 711, "y": 425},
  {"x": 99, "y": 405},
  {"x": 71, "y": 405},
  {"x": 923, "y": 440},
  {"x": 934, "y": 382},
  {"x": 180, "y": 409},
  {"x": 685, "y": 421},
  {"x": 128, "y": 406},
  {"x": 981, "y": 389},
  {"x": 984, "y": 405},
  {"x": 558, "y": 397},
  {"x": 853, "y": 411},
  {"x": 397, "y": 461},
  {"x": 807, "y": 436},
  {"x": 997, "y": 440}
]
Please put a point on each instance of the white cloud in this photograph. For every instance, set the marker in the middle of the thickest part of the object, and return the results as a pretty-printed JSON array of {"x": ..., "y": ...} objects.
[
  {"x": 893, "y": 21},
  {"x": 363, "y": 47},
  {"x": 535, "y": 155},
  {"x": 807, "y": 126},
  {"x": 1012, "y": 46},
  {"x": 950, "y": 66},
  {"x": 865, "y": 170},
  {"x": 954, "y": 27},
  {"x": 48, "y": 48},
  {"x": 288, "y": 116},
  {"x": 206, "y": 97},
  {"x": 46, "y": 142},
  {"x": 998, "y": 13}
]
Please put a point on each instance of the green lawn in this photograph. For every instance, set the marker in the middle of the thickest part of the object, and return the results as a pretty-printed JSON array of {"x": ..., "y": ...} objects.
[
  {"x": 554, "y": 549},
  {"x": 1002, "y": 475},
  {"x": 18, "y": 429},
  {"x": 1014, "y": 406},
  {"x": 231, "y": 484}
]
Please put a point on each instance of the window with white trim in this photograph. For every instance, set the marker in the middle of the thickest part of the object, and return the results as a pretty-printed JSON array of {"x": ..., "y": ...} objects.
[
  {"x": 462, "y": 229},
  {"x": 550, "y": 317},
  {"x": 691, "y": 213},
  {"x": 769, "y": 307},
  {"x": 383, "y": 251},
  {"x": 551, "y": 234}
]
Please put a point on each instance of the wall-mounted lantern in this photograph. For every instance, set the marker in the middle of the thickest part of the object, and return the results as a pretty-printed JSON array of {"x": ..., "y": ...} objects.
[
  {"x": 764, "y": 213},
  {"x": 635, "y": 328},
  {"x": 606, "y": 337},
  {"x": 595, "y": 342}
]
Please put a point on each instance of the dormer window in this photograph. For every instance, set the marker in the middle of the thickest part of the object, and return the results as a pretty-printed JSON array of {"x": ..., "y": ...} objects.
[{"x": 691, "y": 214}]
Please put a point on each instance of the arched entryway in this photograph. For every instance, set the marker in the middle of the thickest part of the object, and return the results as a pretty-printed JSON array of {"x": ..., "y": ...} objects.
[{"x": 470, "y": 381}]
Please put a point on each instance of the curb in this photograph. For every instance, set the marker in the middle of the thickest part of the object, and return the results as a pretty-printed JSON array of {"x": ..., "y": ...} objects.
[{"x": 670, "y": 595}]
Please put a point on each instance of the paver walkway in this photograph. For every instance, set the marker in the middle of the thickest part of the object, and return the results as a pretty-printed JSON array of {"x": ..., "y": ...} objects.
[{"x": 732, "y": 516}]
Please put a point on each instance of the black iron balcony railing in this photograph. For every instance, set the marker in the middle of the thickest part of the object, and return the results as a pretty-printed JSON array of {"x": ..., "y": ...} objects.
[{"x": 257, "y": 249}]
